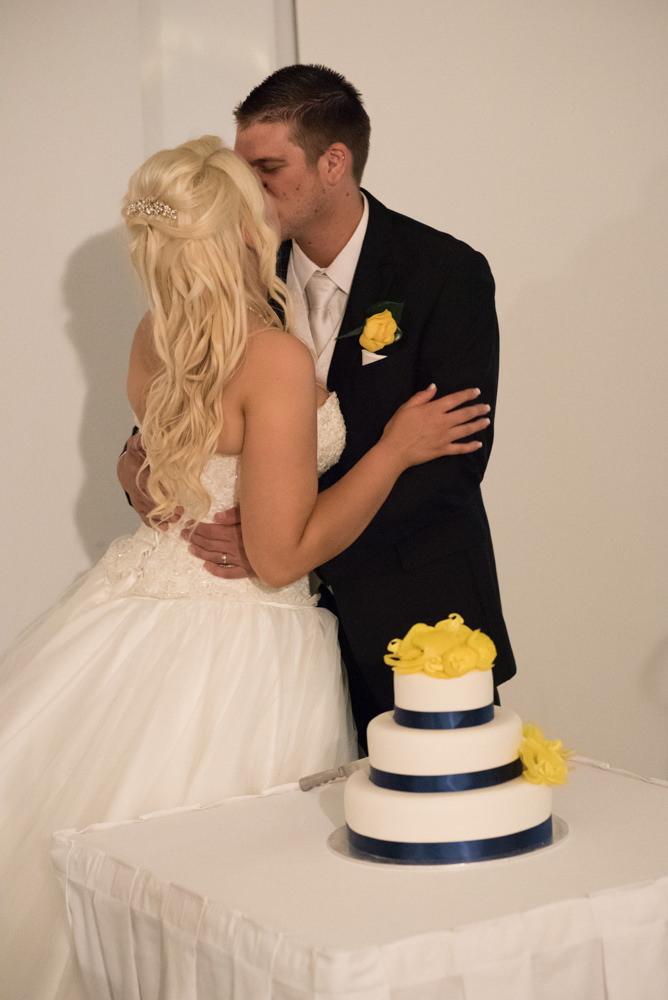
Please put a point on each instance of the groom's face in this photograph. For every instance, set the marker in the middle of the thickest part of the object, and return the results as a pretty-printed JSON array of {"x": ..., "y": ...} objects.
[{"x": 296, "y": 187}]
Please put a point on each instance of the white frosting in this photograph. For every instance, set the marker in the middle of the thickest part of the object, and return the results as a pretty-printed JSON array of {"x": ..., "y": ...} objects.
[
  {"x": 443, "y": 751},
  {"x": 432, "y": 817},
  {"x": 420, "y": 693},
  {"x": 443, "y": 817}
]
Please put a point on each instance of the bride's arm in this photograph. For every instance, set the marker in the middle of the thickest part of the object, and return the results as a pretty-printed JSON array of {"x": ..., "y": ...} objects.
[{"x": 288, "y": 527}]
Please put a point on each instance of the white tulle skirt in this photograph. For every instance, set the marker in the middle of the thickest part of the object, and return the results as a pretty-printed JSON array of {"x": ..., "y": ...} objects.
[{"x": 115, "y": 706}]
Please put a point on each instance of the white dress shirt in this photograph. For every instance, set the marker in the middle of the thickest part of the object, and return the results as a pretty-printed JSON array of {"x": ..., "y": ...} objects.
[{"x": 341, "y": 271}]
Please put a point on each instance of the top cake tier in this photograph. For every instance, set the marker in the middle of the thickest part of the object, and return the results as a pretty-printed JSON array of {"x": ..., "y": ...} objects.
[{"x": 420, "y": 693}]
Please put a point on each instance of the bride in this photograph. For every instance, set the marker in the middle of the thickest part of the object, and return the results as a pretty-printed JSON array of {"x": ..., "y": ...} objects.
[{"x": 153, "y": 684}]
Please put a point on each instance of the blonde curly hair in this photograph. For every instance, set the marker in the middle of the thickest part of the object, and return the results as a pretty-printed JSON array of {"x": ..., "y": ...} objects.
[{"x": 205, "y": 258}]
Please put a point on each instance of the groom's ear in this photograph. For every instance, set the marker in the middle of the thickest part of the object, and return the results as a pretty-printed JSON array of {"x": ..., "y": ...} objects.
[{"x": 337, "y": 162}]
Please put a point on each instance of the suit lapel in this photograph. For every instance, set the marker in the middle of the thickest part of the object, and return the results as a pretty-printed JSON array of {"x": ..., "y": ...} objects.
[
  {"x": 372, "y": 282},
  {"x": 374, "y": 274},
  {"x": 282, "y": 259}
]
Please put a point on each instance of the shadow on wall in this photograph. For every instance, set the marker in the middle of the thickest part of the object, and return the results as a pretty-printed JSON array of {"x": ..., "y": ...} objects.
[{"x": 104, "y": 301}]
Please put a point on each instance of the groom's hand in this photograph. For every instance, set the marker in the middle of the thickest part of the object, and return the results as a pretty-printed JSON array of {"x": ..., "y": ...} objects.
[
  {"x": 220, "y": 545},
  {"x": 135, "y": 482}
]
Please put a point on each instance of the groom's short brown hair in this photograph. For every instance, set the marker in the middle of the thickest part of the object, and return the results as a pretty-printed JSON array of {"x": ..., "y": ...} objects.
[{"x": 321, "y": 107}]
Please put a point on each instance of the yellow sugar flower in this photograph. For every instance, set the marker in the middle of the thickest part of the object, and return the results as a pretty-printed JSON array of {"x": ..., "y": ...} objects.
[
  {"x": 447, "y": 649},
  {"x": 544, "y": 760}
]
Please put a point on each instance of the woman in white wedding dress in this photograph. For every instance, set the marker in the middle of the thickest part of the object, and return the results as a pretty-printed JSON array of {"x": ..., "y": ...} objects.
[{"x": 153, "y": 684}]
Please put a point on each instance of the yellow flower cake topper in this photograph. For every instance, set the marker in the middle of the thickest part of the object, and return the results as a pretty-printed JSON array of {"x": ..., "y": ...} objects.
[
  {"x": 545, "y": 761},
  {"x": 448, "y": 649}
]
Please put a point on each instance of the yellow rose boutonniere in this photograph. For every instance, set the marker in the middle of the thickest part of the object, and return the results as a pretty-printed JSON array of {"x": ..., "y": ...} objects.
[
  {"x": 379, "y": 331},
  {"x": 544, "y": 760},
  {"x": 449, "y": 649},
  {"x": 381, "y": 327}
]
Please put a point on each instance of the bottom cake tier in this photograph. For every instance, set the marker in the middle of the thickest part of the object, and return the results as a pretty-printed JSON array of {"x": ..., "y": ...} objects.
[{"x": 481, "y": 824}]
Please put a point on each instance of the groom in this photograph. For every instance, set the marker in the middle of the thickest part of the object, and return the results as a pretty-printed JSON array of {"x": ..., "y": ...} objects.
[{"x": 428, "y": 552}]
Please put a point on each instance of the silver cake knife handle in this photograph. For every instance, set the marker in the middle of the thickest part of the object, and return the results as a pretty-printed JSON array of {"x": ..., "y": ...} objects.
[{"x": 324, "y": 777}]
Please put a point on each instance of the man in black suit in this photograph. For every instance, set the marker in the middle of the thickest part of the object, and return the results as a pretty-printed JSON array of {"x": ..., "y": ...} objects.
[{"x": 428, "y": 552}]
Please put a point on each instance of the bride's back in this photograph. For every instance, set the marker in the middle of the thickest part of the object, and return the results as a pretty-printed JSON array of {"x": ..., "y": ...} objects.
[
  {"x": 240, "y": 392},
  {"x": 206, "y": 255}
]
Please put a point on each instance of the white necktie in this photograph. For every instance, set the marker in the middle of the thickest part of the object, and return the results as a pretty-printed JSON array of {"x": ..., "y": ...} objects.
[{"x": 319, "y": 291}]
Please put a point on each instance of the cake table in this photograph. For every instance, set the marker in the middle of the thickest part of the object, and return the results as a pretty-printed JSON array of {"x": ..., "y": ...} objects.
[{"x": 245, "y": 900}]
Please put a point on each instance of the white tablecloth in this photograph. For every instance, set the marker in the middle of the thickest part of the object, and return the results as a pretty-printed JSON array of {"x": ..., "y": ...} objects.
[{"x": 245, "y": 900}]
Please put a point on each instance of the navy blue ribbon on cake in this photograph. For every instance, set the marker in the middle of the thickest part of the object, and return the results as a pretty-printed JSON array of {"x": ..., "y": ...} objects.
[
  {"x": 463, "y": 782},
  {"x": 457, "y": 851},
  {"x": 463, "y": 719}
]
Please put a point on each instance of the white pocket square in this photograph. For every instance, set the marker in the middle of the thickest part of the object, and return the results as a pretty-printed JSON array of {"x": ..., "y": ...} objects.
[{"x": 368, "y": 357}]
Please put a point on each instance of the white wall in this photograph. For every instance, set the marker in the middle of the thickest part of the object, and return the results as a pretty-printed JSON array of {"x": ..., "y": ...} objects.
[
  {"x": 90, "y": 90},
  {"x": 72, "y": 134},
  {"x": 535, "y": 130}
]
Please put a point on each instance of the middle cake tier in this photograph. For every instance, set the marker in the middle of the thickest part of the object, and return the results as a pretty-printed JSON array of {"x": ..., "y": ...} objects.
[{"x": 402, "y": 750}]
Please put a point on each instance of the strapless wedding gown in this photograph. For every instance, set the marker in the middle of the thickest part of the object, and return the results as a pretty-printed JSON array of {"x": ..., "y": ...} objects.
[{"x": 151, "y": 685}]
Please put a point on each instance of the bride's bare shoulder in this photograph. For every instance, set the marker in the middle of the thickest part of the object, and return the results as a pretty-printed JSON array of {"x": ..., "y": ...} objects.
[
  {"x": 272, "y": 339},
  {"x": 275, "y": 350}
]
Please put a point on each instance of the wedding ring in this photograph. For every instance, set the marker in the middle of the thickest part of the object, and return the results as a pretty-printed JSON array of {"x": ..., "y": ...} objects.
[{"x": 224, "y": 562}]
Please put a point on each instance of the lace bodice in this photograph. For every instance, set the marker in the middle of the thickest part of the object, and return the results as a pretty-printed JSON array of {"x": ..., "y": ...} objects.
[{"x": 155, "y": 563}]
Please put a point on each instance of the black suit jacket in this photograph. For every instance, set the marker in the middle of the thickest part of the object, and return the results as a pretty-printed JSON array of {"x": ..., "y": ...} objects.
[{"x": 428, "y": 552}]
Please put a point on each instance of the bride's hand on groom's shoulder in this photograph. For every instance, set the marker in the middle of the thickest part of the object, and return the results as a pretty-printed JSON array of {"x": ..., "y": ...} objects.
[{"x": 220, "y": 545}]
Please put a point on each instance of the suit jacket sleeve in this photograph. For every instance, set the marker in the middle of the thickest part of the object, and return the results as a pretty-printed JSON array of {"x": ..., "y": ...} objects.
[{"x": 459, "y": 349}]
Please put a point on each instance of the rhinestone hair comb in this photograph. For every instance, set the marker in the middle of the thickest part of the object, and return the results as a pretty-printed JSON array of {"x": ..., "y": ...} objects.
[{"x": 149, "y": 206}]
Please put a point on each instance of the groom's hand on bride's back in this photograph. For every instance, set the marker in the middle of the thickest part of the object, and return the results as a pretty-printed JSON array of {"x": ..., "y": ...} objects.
[
  {"x": 131, "y": 479},
  {"x": 134, "y": 482},
  {"x": 220, "y": 545}
]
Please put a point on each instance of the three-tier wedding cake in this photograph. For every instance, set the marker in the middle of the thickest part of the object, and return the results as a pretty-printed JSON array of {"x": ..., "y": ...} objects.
[{"x": 451, "y": 777}]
